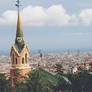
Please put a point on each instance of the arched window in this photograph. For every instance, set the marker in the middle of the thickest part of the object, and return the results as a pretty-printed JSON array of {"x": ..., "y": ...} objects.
[
  {"x": 26, "y": 58},
  {"x": 22, "y": 60},
  {"x": 13, "y": 59},
  {"x": 16, "y": 61}
]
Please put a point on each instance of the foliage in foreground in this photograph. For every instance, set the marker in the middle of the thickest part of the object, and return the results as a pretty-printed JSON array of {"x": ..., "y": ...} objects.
[{"x": 40, "y": 80}]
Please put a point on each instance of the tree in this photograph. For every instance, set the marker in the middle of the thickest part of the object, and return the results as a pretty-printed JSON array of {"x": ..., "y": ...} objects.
[
  {"x": 85, "y": 81},
  {"x": 80, "y": 68},
  {"x": 40, "y": 80},
  {"x": 4, "y": 83},
  {"x": 59, "y": 69},
  {"x": 81, "y": 82},
  {"x": 62, "y": 82},
  {"x": 32, "y": 81},
  {"x": 90, "y": 64}
]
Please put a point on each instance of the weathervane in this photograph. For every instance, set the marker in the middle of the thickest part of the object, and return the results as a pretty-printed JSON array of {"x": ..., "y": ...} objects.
[{"x": 18, "y": 4}]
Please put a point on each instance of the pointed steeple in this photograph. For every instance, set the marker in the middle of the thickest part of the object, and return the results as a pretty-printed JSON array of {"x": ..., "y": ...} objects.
[
  {"x": 19, "y": 41},
  {"x": 19, "y": 32},
  {"x": 19, "y": 53}
]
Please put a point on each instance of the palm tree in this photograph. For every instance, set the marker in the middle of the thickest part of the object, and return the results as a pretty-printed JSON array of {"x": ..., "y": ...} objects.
[
  {"x": 40, "y": 80},
  {"x": 32, "y": 81}
]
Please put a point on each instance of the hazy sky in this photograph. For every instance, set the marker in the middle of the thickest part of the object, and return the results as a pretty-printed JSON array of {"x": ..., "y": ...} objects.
[{"x": 48, "y": 23}]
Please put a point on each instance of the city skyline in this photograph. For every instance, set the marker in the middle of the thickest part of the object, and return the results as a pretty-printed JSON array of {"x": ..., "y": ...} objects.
[{"x": 48, "y": 24}]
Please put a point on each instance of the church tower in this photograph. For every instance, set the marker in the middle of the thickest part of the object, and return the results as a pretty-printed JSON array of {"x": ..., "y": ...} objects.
[{"x": 19, "y": 52}]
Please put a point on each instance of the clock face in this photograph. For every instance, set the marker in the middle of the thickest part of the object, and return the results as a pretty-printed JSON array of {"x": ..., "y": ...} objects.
[{"x": 19, "y": 39}]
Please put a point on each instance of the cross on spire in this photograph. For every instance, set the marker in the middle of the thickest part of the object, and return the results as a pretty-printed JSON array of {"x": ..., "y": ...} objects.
[
  {"x": 18, "y": 4},
  {"x": 19, "y": 41}
]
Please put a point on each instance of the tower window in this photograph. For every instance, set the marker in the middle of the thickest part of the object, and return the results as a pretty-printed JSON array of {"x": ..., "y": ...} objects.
[
  {"x": 13, "y": 59},
  {"x": 22, "y": 60},
  {"x": 26, "y": 58},
  {"x": 16, "y": 61}
]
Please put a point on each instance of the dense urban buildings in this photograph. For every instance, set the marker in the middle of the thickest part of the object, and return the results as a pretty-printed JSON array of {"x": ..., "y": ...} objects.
[{"x": 70, "y": 62}]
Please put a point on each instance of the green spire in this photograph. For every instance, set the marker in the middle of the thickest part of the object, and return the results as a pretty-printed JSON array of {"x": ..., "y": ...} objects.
[
  {"x": 19, "y": 41},
  {"x": 19, "y": 32}
]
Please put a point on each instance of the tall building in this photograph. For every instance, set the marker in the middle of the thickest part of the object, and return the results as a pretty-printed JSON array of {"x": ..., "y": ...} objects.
[{"x": 19, "y": 53}]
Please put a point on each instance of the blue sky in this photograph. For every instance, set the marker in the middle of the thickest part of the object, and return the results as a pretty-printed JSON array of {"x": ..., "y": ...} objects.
[{"x": 48, "y": 24}]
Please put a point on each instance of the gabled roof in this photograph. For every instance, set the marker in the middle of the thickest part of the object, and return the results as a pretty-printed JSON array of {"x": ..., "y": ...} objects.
[{"x": 16, "y": 51}]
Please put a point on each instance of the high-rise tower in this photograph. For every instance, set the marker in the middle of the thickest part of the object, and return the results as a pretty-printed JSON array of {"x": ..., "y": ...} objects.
[{"x": 19, "y": 52}]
